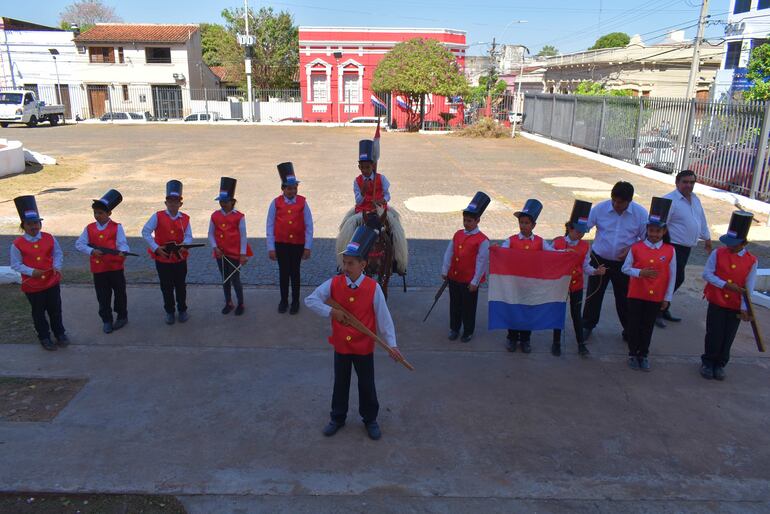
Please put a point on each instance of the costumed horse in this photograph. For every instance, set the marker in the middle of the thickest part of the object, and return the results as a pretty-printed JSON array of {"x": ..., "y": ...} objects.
[{"x": 389, "y": 253}]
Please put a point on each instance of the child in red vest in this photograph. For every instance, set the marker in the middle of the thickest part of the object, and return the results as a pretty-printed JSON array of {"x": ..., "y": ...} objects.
[
  {"x": 525, "y": 240},
  {"x": 289, "y": 236},
  {"x": 362, "y": 298},
  {"x": 370, "y": 189},
  {"x": 464, "y": 267},
  {"x": 227, "y": 236},
  {"x": 38, "y": 258},
  {"x": 577, "y": 226},
  {"x": 651, "y": 264},
  {"x": 170, "y": 226},
  {"x": 730, "y": 271},
  {"x": 107, "y": 267}
]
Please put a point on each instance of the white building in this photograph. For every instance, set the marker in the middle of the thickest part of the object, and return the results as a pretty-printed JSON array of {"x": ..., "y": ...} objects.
[
  {"x": 27, "y": 52},
  {"x": 143, "y": 67},
  {"x": 748, "y": 25}
]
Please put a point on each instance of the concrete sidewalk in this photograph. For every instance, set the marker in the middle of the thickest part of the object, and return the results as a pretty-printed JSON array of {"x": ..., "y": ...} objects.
[{"x": 226, "y": 413}]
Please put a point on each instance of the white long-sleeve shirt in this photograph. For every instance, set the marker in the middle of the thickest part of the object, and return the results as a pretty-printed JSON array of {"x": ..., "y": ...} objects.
[
  {"x": 152, "y": 224},
  {"x": 316, "y": 302},
  {"x": 710, "y": 275},
  {"x": 615, "y": 233},
  {"x": 482, "y": 258},
  {"x": 588, "y": 270},
  {"x": 270, "y": 226},
  {"x": 686, "y": 220},
  {"x": 121, "y": 243},
  {"x": 18, "y": 265},
  {"x": 628, "y": 268},
  {"x": 241, "y": 229},
  {"x": 385, "y": 188}
]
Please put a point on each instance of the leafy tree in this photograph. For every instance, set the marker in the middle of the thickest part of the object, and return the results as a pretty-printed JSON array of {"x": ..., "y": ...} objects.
[
  {"x": 418, "y": 67},
  {"x": 612, "y": 40},
  {"x": 86, "y": 13},
  {"x": 758, "y": 73},
  {"x": 220, "y": 48},
  {"x": 477, "y": 95},
  {"x": 548, "y": 51},
  {"x": 275, "y": 56},
  {"x": 591, "y": 88}
]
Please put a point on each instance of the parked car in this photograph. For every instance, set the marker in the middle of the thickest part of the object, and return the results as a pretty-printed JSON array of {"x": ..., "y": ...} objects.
[
  {"x": 126, "y": 117},
  {"x": 22, "y": 106},
  {"x": 728, "y": 168},
  {"x": 203, "y": 116},
  {"x": 363, "y": 119},
  {"x": 290, "y": 120},
  {"x": 658, "y": 153}
]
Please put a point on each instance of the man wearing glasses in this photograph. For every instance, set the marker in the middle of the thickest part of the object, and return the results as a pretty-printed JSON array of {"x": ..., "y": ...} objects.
[{"x": 686, "y": 225}]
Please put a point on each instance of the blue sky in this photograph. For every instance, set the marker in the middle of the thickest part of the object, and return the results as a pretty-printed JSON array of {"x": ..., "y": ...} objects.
[{"x": 567, "y": 24}]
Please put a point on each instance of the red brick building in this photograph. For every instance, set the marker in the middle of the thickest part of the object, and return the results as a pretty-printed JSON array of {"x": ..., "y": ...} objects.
[{"x": 337, "y": 66}]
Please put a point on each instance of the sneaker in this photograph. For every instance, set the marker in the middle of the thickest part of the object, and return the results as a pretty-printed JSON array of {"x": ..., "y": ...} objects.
[
  {"x": 707, "y": 371},
  {"x": 583, "y": 350},
  {"x": 644, "y": 364},
  {"x": 239, "y": 310},
  {"x": 119, "y": 323},
  {"x": 510, "y": 345},
  {"x": 373, "y": 429},
  {"x": 48, "y": 344},
  {"x": 283, "y": 307},
  {"x": 294, "y": 309},
  {"x": 556, "y": 349},
  {"x": 633, "y": 363},
  {"x": 453, "y": 335},
  {"x": 332, "y": 428},
  {"x": 659, "y": 321},
  {"x": 183, "y": 316},
  {"x": 170, "y": 318},
  {"x": 228, "y": 308},
  {"x": 670, "y": 317},
  {"x": 107, "y": 327},
  {"x": 719, "y": 373},
  {"x": 467, "y": 338},
  {"x": 526, "y": 347},
  {"x": 63, "y": 340}
]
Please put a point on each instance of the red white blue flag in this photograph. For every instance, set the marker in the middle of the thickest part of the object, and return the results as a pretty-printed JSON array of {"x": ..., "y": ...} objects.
[
  {"x": 378, "y": 104},
  {"x": 402, "y": 103}
]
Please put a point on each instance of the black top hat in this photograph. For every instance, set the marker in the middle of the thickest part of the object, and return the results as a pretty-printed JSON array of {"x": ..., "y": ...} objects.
[
  {"x": 738, "y": 231},
  {"x": 286, "y": 171},
  {"x": 366, "y": 150},
  {"x": 226, "y": 189},
  {"x": 108, "y": 201},
  {"x": 361, "y": 242},
  {"x": 579, "y": 216},
  {"x": 174, "y": 188},
  {"x": 532, "y": 209},
  {"x": 478, "y": 205},
  {"x": 659, "y": 208},
  {"x": 26, "y": 206}
]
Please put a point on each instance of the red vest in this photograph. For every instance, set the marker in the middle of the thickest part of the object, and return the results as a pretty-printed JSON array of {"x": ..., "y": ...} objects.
[
  {"x": 525, "y": 244},
  {"x": 227, "y": 232},
  {"x": 651, "y": 289},
  {"x": 732, "y": 268},
  {"x": 170, "y": 231},
  {"x": 378, "y": 194},
  {"x": 37, "y": 255},
  {"x": 106, "y": 238},
  {"x": 360, "y": 303},
  {"x": 465, "y": 249},
  {"x": 581, "y": 249},
  {"x": 290, "y": 221}
]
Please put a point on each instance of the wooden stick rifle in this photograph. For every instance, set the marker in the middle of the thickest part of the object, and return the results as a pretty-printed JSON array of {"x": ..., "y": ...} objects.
[
  {"x": 436, "y": 298},
  {"x": 111, "y": 251},
  {"x": 753, "y": 320}
]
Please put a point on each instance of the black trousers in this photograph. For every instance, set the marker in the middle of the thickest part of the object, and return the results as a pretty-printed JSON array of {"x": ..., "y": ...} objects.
[
  {"x": 289, "y": 258},
  {"x": 368, "y": 406},
  {"x": 227, "y": 267},
  {"x": 597, "y": 286},
  {"x": 462, "y": 307},
  {"x": 575, "y": 303},
  {"x": 641, "y": 323},
  {"x": 519, "y": 335},
  {"x": 721, "y": 326},
  {"x": 47, "y": 302},
  {"x": 173, "y": 276},
  {"x": 106, "y": 284}
]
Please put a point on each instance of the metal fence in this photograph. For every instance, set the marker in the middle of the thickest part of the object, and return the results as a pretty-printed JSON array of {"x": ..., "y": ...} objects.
[{"x": 726, "y": 144}]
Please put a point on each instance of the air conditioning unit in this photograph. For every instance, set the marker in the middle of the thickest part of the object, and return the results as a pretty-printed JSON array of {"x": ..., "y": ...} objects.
[{"x": 178, "y": 76}]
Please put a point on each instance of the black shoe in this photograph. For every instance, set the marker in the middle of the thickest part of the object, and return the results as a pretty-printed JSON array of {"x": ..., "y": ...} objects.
[
  {"x": 583, "y": 350},
  {"x": 467, "y": 338},
  {"x": 556, "y": 349},
  {"x": 63, "y": 340},
  {"x": 331, "y": 429},
  {"x": 659, "y": 321},
  {"x": 644, "y": 364},
  {"x": 373, "y": 429},
  {"x": 453, "y": 335},
  {"x": 170, "y": 318},
  {"x": 707, "y": 371},
  {"x": 719, "y": 373},
  {"x": 670, "y": 317},
  {"x": 239, "y": 310},
  {"x": 283, "y": 307},
  {"x": 526, "y": 347},
  {"x": 48, "y": 344},
  {"x": 107, "y": 327},
  {"x": 183, "y": 316},
  {"x": 119, "y": 323},
  {"x": 228, "y": 308},
  {"x": 294, "y": 309},
  {"x": 510, "y": 345},
  {"x": 587, "y": 333}
]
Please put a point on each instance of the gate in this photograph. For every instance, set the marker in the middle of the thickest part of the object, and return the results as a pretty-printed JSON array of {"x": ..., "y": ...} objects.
[{"x": 167, "y": 101}]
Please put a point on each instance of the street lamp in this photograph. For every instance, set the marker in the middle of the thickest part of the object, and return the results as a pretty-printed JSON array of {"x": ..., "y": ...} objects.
[
  {"x": 340, "y": 87},
  {"x": 54, "y": 52},
  {"x": 512, "y": 22}
]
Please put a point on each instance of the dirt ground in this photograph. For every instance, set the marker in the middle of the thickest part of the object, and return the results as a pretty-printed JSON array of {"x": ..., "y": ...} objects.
[{"x": 36, "y": 399}]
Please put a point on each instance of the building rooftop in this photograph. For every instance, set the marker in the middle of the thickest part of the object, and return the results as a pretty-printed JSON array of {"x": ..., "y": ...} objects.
[
  {"x": 137, "y": 33},
  {"x": 13, "y": 24}
]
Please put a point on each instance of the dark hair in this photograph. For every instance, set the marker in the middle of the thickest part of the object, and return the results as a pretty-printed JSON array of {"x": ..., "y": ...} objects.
[
  {"x": 567, "y": 227},
  {"x": 471, "y": 215},
  {"x": 623, "y": 190},
  {"x": 99, "y": 206},
  {"x": 684, "y": 173},
  {"x": 527, "y": 216}
]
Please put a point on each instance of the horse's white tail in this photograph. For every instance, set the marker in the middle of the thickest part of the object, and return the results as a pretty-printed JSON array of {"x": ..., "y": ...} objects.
[{"x": 348, "y": 227}]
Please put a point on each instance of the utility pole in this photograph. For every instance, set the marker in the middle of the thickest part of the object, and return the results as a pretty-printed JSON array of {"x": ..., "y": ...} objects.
[
  {"x": 491, "y": 77},
  {"x": 247, "y": 59},
  {"x": 695, "y": 67}
]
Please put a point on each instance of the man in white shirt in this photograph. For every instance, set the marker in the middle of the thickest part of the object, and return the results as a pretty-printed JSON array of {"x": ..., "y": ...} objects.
[{"x": 686, "y": 226}]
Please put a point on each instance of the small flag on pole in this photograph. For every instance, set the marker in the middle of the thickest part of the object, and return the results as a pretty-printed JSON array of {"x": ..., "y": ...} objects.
[
  {"x": 378, "y": 104},
  {"x": 402, "y": 103}
]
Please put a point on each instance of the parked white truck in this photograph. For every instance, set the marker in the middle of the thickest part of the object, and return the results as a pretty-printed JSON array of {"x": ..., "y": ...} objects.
[{"x": 21, "y": 106}]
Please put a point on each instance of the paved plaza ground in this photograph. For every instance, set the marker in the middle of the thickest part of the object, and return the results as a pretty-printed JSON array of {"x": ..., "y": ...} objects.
[{"x": 226, "y": 413}]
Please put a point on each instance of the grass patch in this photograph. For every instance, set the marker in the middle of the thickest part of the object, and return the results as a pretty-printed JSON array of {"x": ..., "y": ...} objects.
[
  {"x": 485, "y": 127},
  {"x": 37, "y": 179},
  {"x": 31, "y": 503},
  {"x": 15, "y": 318}
]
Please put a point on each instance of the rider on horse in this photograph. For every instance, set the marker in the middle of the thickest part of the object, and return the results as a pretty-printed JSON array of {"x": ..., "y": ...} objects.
[{"x": 371, "y": 189}]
